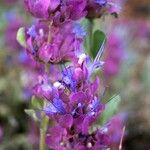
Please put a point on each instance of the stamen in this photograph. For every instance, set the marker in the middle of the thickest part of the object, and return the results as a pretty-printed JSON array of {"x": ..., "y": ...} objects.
[
  {"x": 58, "y": 85},
  {"x": 62, "y": 143},
  {"x": 89, "y": 145},
  {"x": 82, "y": 58}
]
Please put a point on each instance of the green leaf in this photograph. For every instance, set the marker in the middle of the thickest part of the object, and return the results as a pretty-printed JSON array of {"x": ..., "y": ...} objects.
[
  {"x": 98, "y": 38},
  {"x": 32, "y": 114},
  {"x": 21, "y": 36},
  {"x": 36, "y": 103},
  {"x": 110, "y": 109}
]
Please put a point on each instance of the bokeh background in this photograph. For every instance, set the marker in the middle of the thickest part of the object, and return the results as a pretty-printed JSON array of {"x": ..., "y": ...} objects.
[{"x": 127, "y": 72}]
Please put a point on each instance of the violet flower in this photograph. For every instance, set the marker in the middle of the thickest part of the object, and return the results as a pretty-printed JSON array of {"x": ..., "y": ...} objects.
[
  {"x": 71, "y": 95},
  {"x": 98, "y": 8},
  {"x": 38, "y": 8},
  {"x": 56, "y": 48},
  {"x": 57, "y": 11},
  {"x": 60, "y": 12},
  {"x": 73, "y": 104},
  {"x": 69, "y": 10},
  {"x": 29, "y": 74}
]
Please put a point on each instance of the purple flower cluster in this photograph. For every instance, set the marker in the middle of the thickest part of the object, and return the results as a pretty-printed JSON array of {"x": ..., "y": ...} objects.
[
  {"x": 97, "y": 8},
  {"x": 74, "y": 105},
  {"x": 45, "y": 40},
  {"x": 54, "y": 44},
  {"x": 71, "y": 94},
  {"x": 60, "y": 11}
]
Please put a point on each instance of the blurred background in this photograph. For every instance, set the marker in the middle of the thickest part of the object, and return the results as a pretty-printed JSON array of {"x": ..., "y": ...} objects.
[{"x": 126, "y": 72}]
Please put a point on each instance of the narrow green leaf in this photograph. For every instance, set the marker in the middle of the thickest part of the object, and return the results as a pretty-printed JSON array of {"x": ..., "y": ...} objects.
[
  {"x": 110, "y": 109},
  {"x": 36, "y": 103},
  {"x": 98, "y": 39},
  {"x": 31, "y": 113},
  {"x": 21, "y": 36}
]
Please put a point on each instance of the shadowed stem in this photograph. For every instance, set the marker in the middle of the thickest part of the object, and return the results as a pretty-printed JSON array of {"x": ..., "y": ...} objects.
[
  {"x": 91, "y": 25},
  {"x": 49, "y": 33},
  {"x": 44, "y": 121},
  {"x": 43, "y": 129}
]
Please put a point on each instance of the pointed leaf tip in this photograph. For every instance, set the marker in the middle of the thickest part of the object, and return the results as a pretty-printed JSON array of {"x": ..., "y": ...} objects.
[
  {"x": 98, "y": 39},
  {"x": 21, "y": 36}
]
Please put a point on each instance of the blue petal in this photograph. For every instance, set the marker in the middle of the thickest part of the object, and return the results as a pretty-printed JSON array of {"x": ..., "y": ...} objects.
[
  {"x": 78, "y": 30},
  {"x": 68, "y": 79},
  {"x": 101, "y": 2},
  {"x": 97, "y": 65},
  {"x": 23, "y": 57},
  {"x": 58, "y": 104},
  {"x": 96, "y": 105},
  {"x": 55, "y": 107},
  {"x": 32, "y": 32},
  {"x": 50, "y": 109}
]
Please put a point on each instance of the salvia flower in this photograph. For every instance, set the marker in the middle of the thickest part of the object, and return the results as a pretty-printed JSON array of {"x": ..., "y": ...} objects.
[
  {"x": 53, "y": 47},
  {"x": 57, "y": 11},
  {"x": 38, "y": 8},
  {"x": 98, "y": 8},
  {"x": 61, "y": 11},
  {"x": 74, "y": 105},
  {"x": 69, "y": 89}
]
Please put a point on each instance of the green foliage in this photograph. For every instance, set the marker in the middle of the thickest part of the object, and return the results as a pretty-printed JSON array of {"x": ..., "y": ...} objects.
[
  {"x": 36, "y": 103},
  {"x": 110, "y": 109},
  {"x": 32, "y": 113},
  {"x": 98, "y": 39},
  {"x": 21, "y": 36},
  {"x": 18, "y": 142}
]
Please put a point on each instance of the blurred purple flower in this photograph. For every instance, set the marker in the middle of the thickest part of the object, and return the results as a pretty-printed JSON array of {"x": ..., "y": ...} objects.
[
  {"x": 114, "y": 55},
  {"x": 14, "y": 23},
  {"x": 57, "y": 11},
  {"x": 38, "y": 8},
  {"x": 97, "y": 8}
]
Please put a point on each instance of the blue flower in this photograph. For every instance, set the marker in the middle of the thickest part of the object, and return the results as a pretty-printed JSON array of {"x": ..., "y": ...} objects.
[
  {"x": 78, "y": 30},
  {"x": 55, "y": 107},
  {"x": 68, "y": 79},
  {"x": 101, "y": 2},
  {"x": 32, "y": 32}
]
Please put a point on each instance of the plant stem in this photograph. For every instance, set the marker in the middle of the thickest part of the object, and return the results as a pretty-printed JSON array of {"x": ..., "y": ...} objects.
[
  {"x": 91, "y": 25},
  {"x": 44, "y": 124},
  {"x": 49, "y": 33},
  {"x": 42, "y": 140}
]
